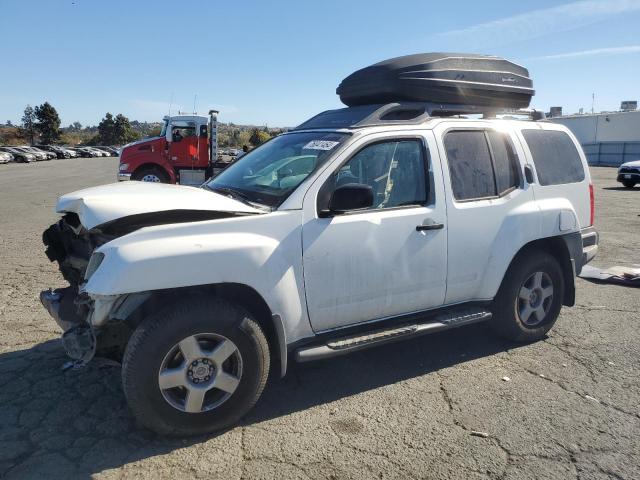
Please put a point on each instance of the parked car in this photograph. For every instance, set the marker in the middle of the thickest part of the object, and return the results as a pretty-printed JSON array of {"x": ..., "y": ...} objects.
[
  {"x": 87, "y": 152},
  {"x": 39, "y": 156},
  {"x": 59, "y": 151},
  {"x": 107, "y": 151},
  {"x": 19, "y": 155},
  {"x": 629, "y": 173},
  {"x": 98, "y": 152},
  {"x": 47, "y": 154},
  {"x": 6, "y": 157},
  {"x": 400, "y": 221},
  {"x": 311, "y": 198},
  {"x": 113, "y": 152}
]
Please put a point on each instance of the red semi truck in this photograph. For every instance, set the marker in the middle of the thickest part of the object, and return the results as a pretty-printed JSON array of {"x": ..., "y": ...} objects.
[{"x": 184, "y": 152}]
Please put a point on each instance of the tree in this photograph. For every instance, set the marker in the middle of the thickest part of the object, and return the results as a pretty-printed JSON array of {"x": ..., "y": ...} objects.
[
  {"x": 106, "y": 130},
  {"x": 258, "y": 137},
  {"x": 9, "y": 124},
  {"x": 123, "y": 131},
  {"x": 48, "y": 123},
  {"x": 115, "y": 131},
  {"x": 29, "y": 124}
]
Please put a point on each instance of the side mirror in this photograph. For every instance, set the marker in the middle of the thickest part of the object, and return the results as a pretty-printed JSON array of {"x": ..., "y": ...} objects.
[
  {"x": 169, "y": 134},
  {"x": 352, "y": 196}
]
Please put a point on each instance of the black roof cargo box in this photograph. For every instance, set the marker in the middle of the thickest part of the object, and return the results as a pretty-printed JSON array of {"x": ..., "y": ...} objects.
[{"x": 455, "y": 78}]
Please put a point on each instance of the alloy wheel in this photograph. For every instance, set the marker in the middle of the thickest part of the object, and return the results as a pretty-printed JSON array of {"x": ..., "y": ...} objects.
[
  {"x": 534, "y": 299},
  {"x": 200, "y": 372}
]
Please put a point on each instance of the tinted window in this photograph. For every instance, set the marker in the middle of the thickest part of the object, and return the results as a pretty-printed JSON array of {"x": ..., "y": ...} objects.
[
  {"x": 470, "y": 165},
  {"x": 395, "y": 170},
  {"x": 505, "y": 161},
  {"x": 555, "y": 157}
]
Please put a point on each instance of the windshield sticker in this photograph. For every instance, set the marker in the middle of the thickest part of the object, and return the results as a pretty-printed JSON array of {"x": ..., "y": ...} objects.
[{"x": 320, "y": 145}]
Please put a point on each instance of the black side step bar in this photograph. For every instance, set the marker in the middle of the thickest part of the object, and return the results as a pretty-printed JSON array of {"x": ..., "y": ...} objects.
[{"x": 444, "y": 321}]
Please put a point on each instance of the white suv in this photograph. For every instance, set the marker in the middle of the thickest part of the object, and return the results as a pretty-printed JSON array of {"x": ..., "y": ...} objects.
[{"x": 323, "y": 241}]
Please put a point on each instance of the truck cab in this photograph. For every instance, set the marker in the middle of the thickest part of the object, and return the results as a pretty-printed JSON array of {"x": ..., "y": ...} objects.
[{"x": 180, "y": 154}]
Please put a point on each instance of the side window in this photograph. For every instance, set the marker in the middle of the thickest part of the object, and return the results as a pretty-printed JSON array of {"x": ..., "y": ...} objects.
[
  {"x": 555, "y": 156},
  {"x": 470, "y": 164},
  {"x": 396, "y": 170},
  {"x": 505, "y": 161}
]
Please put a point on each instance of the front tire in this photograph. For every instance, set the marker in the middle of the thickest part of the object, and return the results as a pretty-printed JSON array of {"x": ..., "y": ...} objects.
[
  {"x": 195, "y": 367},
  {"x": 150, "y": 174},
  {"x": 530, "y": 297}
]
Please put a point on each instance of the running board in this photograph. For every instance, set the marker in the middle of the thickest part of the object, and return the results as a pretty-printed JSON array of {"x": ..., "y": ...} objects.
[{"x": 443, "y": 321}]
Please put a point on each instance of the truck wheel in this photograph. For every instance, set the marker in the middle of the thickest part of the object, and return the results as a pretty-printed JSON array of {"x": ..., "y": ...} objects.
[
  {"x": 150, "y": 174},
  {"x": 629, "y": 184},
  {"x": 195, "y": 367},
  {"x": 530, "y": 297}
]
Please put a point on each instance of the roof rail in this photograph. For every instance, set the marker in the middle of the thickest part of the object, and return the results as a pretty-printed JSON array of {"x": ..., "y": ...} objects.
[{"x": 404, "y": 113}]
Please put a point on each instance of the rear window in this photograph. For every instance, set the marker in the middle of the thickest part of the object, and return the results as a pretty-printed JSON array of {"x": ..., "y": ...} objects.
[{"x": 555, "y": 156}]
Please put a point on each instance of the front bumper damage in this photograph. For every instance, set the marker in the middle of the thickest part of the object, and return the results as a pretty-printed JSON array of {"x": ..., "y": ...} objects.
[
  {"x": 90, "y": 322},
  {"x": 66, "y": 308},
  {"x": 87, "y": 321}
]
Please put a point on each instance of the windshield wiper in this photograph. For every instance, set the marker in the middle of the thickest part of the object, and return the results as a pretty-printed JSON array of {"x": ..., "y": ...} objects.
[{"x": 236, "y": 195}]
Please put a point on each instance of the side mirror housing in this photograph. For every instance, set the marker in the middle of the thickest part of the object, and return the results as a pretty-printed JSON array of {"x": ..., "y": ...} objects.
[
  {"x": 169, "y": 134},
  {"x": 352, "y": 196}
]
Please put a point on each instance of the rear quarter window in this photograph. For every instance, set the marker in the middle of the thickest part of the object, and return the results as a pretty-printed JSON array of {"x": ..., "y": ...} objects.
[{"x": 555, "y": 157}]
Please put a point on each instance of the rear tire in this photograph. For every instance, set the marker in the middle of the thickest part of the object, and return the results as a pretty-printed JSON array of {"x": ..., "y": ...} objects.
[
  {"x": 150, "y": 174},
  {"x": 629, "y": 184},
  {"x": 165, "y": 385},
  {"x": 530, "y": 297}
]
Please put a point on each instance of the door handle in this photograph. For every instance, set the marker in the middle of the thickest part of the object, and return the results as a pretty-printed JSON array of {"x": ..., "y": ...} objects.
[{"x": 430, "y": 226}]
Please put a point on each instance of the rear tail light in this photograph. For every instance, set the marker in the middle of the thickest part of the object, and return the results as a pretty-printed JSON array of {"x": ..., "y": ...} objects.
[{"x": 592, "y": 204}]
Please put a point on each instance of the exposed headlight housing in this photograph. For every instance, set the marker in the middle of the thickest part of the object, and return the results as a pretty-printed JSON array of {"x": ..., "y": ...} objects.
[
  {"x": 124, "y": 167},
  {"x": 94, "y": 262}
]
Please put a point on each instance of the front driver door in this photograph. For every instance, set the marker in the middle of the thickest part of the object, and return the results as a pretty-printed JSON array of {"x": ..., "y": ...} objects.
[
  {"x": 380, "y": 262},
  {"x": 184, "y": 147}
]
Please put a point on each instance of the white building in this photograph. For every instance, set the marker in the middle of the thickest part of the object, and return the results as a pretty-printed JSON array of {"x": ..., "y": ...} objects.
[{"x": 607, "y": 138}]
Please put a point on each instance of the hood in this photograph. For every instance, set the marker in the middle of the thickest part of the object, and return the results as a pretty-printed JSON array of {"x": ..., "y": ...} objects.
[
  {"x": 634, "y": 163},
  {"x": 142, "y": 140},
  {"x": 98, "y": 205}
]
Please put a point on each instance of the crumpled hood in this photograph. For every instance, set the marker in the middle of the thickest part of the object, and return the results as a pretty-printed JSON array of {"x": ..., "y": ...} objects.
[
  {"x": 635, "y": 164},
  {"x": 97, "y": 205}
]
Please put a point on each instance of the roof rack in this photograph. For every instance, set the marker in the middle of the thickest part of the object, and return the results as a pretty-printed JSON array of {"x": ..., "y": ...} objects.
[{"x": 403, "y": 113}]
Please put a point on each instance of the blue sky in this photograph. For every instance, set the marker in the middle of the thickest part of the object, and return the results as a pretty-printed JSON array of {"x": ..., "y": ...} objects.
[{"x": 279, "y": 62}]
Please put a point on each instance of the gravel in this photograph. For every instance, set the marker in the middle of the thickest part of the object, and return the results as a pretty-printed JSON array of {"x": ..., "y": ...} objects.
[{"x": 571, "y": 407}]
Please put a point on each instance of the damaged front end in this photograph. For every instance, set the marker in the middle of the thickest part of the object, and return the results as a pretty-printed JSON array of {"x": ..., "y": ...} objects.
[
  {"x": 99, "y": 324},
  {"x": 70, "y": 245}
]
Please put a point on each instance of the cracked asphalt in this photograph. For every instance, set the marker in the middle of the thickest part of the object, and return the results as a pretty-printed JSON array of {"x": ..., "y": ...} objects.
[{"x": 571, "y": 407}]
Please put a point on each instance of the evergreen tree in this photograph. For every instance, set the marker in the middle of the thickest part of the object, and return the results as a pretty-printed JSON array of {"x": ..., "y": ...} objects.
[
  {"x": 48, "y": 123},
  {"x": 28, "y": 128}
]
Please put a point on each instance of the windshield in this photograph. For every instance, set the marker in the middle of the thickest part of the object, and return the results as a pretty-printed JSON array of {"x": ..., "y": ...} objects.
[
  {"x": 268, "y": 174},
  {"x": 163, "y": 132}
]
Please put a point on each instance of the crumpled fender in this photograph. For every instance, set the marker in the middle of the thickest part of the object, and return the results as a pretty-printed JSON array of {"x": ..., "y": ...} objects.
[{"x": 263, "y": 252}]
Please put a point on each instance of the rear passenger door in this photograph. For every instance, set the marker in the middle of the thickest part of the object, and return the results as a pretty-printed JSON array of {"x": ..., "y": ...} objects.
[{"x": 490, "y": 208}]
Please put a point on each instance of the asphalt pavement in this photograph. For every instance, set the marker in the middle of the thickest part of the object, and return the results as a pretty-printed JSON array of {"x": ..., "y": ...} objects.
[{"x": 459, "y": 404}]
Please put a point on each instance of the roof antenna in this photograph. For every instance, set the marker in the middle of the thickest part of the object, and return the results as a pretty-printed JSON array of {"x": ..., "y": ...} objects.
[
  {"x": 194, "y": 103},
  {"x": 170, "y": 104}
]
